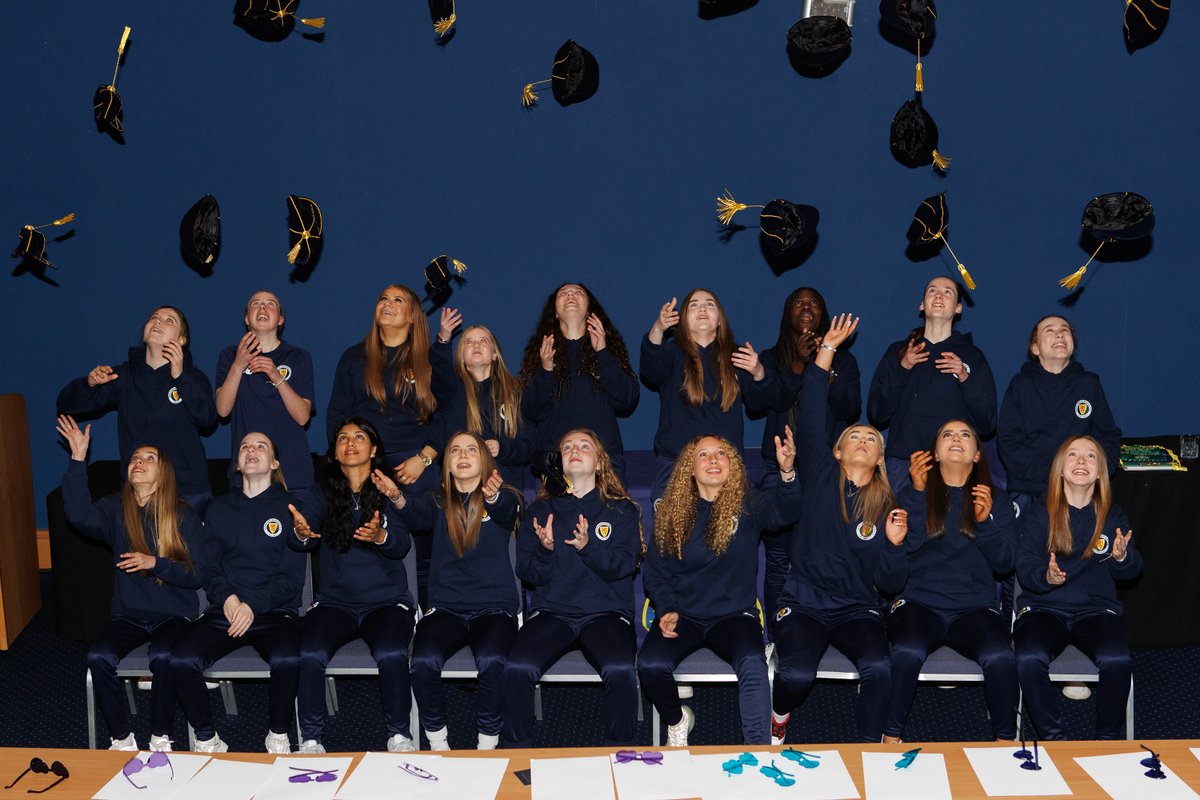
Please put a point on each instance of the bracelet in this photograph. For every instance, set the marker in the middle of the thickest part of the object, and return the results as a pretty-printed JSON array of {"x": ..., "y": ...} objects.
[
  {"x": 791, "y": 472},
  {"x": 491, "y": 500},
  {"x": 827, "y": 347},
  {"x": 439, "y": 340},
  {"x": 276, "y": 385}
]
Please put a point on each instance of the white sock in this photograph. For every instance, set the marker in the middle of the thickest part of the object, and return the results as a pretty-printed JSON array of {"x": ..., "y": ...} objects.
[
  {"x": 438, "y": 737},
  {"x": 488, "y": 741},
  {"x": 776, "y": 718}
]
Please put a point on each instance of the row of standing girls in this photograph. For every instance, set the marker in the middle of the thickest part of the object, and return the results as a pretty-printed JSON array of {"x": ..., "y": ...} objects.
[{"x": 576, "y": 374}]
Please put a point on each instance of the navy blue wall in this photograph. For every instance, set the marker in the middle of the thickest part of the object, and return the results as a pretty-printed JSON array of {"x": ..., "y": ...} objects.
[{"x": 415, "y": 149}]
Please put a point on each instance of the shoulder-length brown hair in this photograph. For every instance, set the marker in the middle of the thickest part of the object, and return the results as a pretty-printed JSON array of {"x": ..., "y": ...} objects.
[
  {"x": 465, "y": 517},
  {"x": 693, "y": 370},
  {"x": 874, "y": 500},
  {"x": 164, "y": 511},
  {"x": 410, "y": 370},
  {"x": 675, "y": 516},
  {"x": 505, "y": 395},
  {"x": 937, "y": 496},
  {"x": 1058, "y": 510}
]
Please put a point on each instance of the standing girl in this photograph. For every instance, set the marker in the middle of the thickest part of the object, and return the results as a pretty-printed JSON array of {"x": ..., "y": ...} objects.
[{"x": 154, "y": 537}]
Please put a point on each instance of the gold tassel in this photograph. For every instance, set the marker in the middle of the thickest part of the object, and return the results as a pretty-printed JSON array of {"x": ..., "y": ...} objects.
[
  {"x": 962, "y": 269},
  {"x": 124, "y": 41},
  {"x": 63, "y": 221},
  {"x": 920, "y": 76},
  {"x": 295, "y": 251},
  {"x": 314, "y": 22},
  {"x": 941, "y": 162},
  {"x": 727, "y": 207},
  {"x": 529, "y": 97},
  {"x": 1072, "y": 280},
  {"x": 459, "y": 266},
  {"x": 443, "y": 26}
]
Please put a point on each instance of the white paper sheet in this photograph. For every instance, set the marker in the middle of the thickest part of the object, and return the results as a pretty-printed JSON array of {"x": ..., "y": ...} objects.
[
  {"x": 381, "y": 776},
  {"x": 1124, "y": 778},
  {"x": 159, "y": 783},
  {"x": 924, "y": 779},
  {"x": 278, "y": 787},
  {"x": 829, "y": 781},
  {"x": 583, "y": 778},
  {"x": 1001, "y": 775},
  {"x": 637, "y": 780},
  {"x": 228, "y": 780}
]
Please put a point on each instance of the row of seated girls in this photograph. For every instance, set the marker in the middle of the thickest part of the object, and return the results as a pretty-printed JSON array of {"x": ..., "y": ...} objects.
[{"x": 849, "y": 525}]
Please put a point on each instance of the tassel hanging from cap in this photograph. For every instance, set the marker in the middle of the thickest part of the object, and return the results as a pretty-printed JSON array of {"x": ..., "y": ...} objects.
[
  {"x": 1072, "y": 280},
  {"x": 443, "y": 26},
  {"x": 962, "y": 269},
  {"x": 941, "y": 162},
  {"x": 295, "y": 251},
  {"x": 727, "y": 207},
  {"x": 314, "y": 22},
  {"x": 120, "y": 53},
  {"x": 459, "y": 266},
  {"x": 61, "y": 221},
  {"x": 529, "y": 97},
  {"x": 920, "y": 75}
]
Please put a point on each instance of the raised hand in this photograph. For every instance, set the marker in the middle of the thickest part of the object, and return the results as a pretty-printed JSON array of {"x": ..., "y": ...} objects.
[
  {"x": 667, "y": 623},
  {"x": 913, "y": 353},
  {"x": 493, "y": 446},
  {"x": 841, "y": 328},
  {"x": 745, "y": 358},
  {"x": 596, "y": 334},
  {"x": 580, "y": 539},
  {"x": 807, "y": 345},
  {"x": 371, "y": 531},
  {"x": 667, "y": 318},
  {"x": 136, "y": 562},
  {"x": 247, "y": 349},
  {"x": 546, "y": 352},
  {"x": 785, "y": 450},
  {"x": 1054, "y": 575},
  {"x": 1120, "y": 545},
  {"x": 545, "y": 533},
  {"x": 173, "y": 352},
  {"x": 491, "y": 489},
  {"x": 387, "y": 487},
  {"x": 897, "y": 526},
  {"x": 77, "y": 440},
  {"x": 919, "y": 464},
  {"x": 265, "y": 366},
  {"x": 982, "y": 497},
  {"x": 951, "y": 364},
  {"x": 101, "y": 374},
  {"x": 410, "y": 470},
  {"x": 450, "y": 319},
  {"x": 303, "y": 531}
]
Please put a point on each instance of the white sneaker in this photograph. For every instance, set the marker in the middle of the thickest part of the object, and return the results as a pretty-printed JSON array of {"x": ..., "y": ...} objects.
[
  {"x": 677, "y": 734},
  {"x": 213, "y": 745},
  {"x": 401, "y": 744},
  {"x": 1077, "y": 691},
  {"x": 310, "y": 746},
  {"x": 278, "y": 743},
  {"x": 160, "y": 744},
  {"x": 779, "y": 728},
  {"x": 128, "y": 743},
  {"x": 488, "y": 741},
  {"x": 439, "y": 739}
]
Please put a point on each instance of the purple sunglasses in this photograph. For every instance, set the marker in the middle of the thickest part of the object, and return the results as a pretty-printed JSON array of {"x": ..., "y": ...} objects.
[{"x": 136, "y": 765}]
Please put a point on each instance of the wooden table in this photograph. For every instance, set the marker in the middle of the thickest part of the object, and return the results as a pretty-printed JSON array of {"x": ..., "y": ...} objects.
[{"x": 91, "y": 769}]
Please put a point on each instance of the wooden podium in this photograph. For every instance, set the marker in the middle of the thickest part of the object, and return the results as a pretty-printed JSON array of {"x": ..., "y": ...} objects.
[{"x": 20, "y": 590}]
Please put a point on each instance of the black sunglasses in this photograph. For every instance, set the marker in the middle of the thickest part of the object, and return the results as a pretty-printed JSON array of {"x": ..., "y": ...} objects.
[{"x": 39, "y": 767}]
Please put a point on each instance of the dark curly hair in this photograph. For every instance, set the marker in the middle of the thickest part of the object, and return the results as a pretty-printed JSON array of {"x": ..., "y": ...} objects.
[
  {"x": 342, "y": 516},
  {"x": 548, "y": 324},
  {"x": 785, "y": 346}
]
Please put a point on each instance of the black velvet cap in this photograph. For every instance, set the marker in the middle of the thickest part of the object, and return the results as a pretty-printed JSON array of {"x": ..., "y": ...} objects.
[
  {"x": 787, "y": 225},
  {"x": 914, "y": 138},
  {"x": 817, "y": 41},
  {"x": 271, "y": 20},
  {"x": 200, "y": 232},
  {"x": 574, "y": 76},
  {"x": 443, "y": 16},
  {"x": 440, "y": 272},
  {"x": 1118, "y": 216},
  {"x": 31, "y": 242},
  {"x": 106, "y": 105},
  {"x": 305, "y": 225},
  {"x": 916, "y": 18},
  {"x": 548, "y": 466},
  {"x": 928, "y": 228},
  {"x": 1144, "y": 22}
]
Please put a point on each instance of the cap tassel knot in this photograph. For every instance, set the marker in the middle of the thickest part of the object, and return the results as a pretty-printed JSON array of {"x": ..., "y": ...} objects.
[{"x": 1072, "y": 280}]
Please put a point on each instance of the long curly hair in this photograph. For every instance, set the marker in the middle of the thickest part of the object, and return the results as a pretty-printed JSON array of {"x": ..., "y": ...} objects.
[
  {"x": 505, "y": 395},
  {"x": 1058, "y": 510},
  {"x": 676, "y": 514},
  {"x": 937, "y": 497},
  {"x": 410, "y": 370},
  {"x": 464, "y": 517},
  {"x": 547, "y": 324},
  {"x": 873, "y": 500},
  {"x": 164, "y": 512},
  {"x": 342, "y": 515},
  {"x": 693, "y": 371}
]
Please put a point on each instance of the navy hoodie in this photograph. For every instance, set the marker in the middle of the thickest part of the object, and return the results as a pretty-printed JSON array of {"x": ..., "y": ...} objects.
[
  {"x": 954, "y": 572},
  {"x": 913, "y": 404},
  {"x": 835, "y": 565},
  {"x": 579, "y": 406},
  {"x": 845, "y": 401},
  {"x": 248, "y": 553},
  {"x": 481, "y": 578},
  {"x": 137, "y": 595},
  {"x": 1042, "y": 410},
  {"x": 595, "y": 580},
  {"x": 1090, "y": 584},
  {"x": 663, "y": 367},
  {"x": 397, "y": 424},
  {"x": 153, "y": 409},
  {"x": 367, "y": 575},
  {"x": 706, "y": 586},
  {"x": 515, "y": 452}
]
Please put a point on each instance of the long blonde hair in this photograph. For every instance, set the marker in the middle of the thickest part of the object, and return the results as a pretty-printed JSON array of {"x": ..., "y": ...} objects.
[
  {"x": 165, "y": 510},
  {"x": 410, "y": 368},
  {"x": 675, "y": 516},
  {"x": 874, "y": 500},
  {"x": 505, "y": 391},
  {"x": 693, "y": 370},
  {"x": 464, "y": 519},
  {"x": 1058, "y": 509}
]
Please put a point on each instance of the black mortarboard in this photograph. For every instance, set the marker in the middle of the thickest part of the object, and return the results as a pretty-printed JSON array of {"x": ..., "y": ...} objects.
[
  {"x": 442, "y": 12},
  {"x": 1120, "y": 216},
  {"x": 271, "y": 20},
  {"x": 548, "y": 466},
  {"x": 817, "y": 41},
  {"x": 200, "y": 232},
  {"x": 915, "y": 18},
  {"x": 914, "y": 138},
  {"x": 440, "y": 272},
  {"x": 1144, "y": 22},
  {"x": 783, "y": 224},
  {"x": 106, "y": 103},
  {"x": 305, "y": 226},
  {"x": 574, "y": 77},
  {"x": 929, "y": 228},
  {"x": 31, "y": 242}
]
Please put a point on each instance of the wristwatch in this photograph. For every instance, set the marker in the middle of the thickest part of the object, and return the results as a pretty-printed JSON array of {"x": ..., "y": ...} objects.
[{"x": 426, "y": 460}]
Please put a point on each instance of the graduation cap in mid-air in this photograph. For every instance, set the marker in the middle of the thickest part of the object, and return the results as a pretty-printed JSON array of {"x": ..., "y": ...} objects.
[
  {"x": 915, "y": 18},
  {"x": 914, "y": 138},
  {"x": 929, "y": 228},
  {"x": 442, "y": 12},
  {"x": 548, "y": 466},
  {"x": 106, "y": 103},
  {"x": 440, "y": 275},
  {"x": 200, "y": 231},
  {"x": 1144, "y": 22},
  {"x": 271, "y": 20},
  {"x": 1120, "y": 216},
  {"x": 818, "y": 41},
  {"x": 305, "y": 226},
  {"x": 784, "y": 225},
  {"x": 32, "y": 242},
  {"x": 574, "y": 77}
]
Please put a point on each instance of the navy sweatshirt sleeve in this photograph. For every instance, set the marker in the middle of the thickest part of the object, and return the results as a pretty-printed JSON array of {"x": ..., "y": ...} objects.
[
  {"x": 176, "y": 573},
  {"x": 535, "y": 564},
  {"x": 656, "y": 363},
  {"x": 341, "y": 397},
  {"x": 101, "y": 521},
  {"x": 80, "y": 399},
  {"x": 198, "y": 398},
  {"x": 1012, "y": 441},
  {"x": 620, "y": 387},
  {"x": 887, "y": 386}
]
